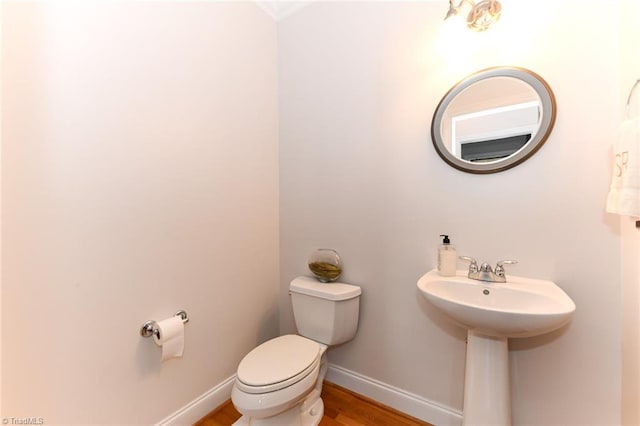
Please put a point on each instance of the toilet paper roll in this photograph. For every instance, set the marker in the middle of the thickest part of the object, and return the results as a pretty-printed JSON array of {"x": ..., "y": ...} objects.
[{"x": 171, "y": 337}]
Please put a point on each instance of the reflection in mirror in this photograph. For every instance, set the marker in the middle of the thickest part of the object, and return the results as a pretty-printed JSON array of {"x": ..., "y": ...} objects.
[{"x": 493, "y": 120}]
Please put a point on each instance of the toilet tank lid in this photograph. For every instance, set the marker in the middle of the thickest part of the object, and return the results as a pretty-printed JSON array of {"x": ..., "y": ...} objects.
[{"x": 329, "y": 291}]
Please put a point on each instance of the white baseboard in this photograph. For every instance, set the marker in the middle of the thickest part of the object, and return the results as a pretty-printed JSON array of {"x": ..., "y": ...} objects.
[
  {"x": 201, "y": 406},
  {"x": 401, "y": 400}
]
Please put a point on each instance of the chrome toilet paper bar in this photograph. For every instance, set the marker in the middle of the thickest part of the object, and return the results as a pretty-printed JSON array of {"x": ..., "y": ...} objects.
[{"x": 149, "y": 328}]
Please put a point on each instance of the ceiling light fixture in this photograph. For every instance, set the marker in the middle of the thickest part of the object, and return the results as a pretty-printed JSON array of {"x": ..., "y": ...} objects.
[{"x": 480, "y": 16}]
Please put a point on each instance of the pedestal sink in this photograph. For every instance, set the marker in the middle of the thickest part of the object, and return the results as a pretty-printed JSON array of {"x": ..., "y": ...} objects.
[{"x": 492, "y": 313}]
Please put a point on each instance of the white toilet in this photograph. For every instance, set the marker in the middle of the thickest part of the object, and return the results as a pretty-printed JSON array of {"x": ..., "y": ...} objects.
[{"x": 279, "y": 382}]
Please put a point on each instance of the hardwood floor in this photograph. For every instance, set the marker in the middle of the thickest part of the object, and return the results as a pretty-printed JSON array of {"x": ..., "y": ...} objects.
[{"x": 341, "y": 408}]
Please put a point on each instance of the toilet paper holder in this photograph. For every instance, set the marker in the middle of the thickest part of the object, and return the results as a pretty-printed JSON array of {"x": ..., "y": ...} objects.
[{"x": 149, "y": 328}]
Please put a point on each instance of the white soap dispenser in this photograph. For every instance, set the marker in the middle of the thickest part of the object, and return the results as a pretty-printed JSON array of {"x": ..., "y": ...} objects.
[{"x": 447, "y": 258}]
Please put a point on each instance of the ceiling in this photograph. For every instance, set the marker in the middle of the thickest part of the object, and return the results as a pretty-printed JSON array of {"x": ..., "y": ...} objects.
[{"x": 279, "y": 9}]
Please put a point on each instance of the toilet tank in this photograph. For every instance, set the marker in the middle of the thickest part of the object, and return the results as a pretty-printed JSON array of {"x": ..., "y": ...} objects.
[{"x": 325, "y": 312}]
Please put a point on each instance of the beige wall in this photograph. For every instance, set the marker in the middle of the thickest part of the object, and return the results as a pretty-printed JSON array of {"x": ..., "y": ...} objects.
[
  {"x": 139, "y": 177},
  {"x": 359, "y": 83},
  {"x": 1, "y": 84}
]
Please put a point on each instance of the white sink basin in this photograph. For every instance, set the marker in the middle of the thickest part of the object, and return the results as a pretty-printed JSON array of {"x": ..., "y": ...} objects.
[
  {"x": 522, "y": 307},
  {"x": 492, "y": 313}
]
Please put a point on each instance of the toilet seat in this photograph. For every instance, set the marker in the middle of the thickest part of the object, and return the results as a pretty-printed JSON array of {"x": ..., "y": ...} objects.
[{"x": 277, "y": 363}]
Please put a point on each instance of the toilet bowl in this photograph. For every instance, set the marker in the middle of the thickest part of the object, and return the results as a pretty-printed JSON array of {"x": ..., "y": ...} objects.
[
  {"x": 293, "y": 373},
  {"x": 279, "y": 382}
]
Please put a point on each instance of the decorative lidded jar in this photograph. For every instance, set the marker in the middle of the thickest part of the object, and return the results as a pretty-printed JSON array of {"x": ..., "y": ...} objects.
[{"x": 325, "y": 264}]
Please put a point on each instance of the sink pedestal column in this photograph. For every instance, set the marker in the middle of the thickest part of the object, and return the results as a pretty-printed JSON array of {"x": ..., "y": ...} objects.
[{"x": 486, "y": 384}]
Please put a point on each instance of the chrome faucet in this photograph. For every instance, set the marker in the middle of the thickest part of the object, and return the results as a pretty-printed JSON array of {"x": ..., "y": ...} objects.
[{"x": 485, "y": 273}]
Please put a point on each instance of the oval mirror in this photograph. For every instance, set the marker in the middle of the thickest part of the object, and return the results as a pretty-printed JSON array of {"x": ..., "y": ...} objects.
[{"x": 493, "y": 120}]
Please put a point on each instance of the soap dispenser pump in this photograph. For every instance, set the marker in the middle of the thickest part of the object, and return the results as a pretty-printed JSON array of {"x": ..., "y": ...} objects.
[{"x": 447, "y": 258}]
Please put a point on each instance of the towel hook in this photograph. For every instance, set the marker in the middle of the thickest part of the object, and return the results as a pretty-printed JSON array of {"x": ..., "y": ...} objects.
[{"x": 626, "y": 109}]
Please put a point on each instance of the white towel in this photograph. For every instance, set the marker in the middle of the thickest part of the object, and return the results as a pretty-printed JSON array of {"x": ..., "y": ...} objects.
[{"x": 624, "y": 194}]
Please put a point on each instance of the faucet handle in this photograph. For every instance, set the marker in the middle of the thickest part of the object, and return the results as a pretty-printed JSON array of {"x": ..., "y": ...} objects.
[
  {"x": 500, "y": 266},
  {"x": 473, "y": 265}
]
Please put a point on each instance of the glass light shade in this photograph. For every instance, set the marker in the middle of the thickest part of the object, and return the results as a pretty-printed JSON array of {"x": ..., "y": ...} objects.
[{"x": 484, "y": 15}]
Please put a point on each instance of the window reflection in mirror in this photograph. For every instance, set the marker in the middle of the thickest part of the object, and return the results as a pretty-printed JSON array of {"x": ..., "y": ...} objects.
[{"x": 493, "y": 120}]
